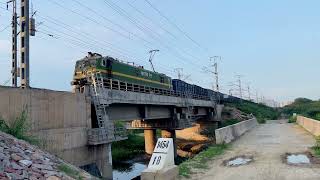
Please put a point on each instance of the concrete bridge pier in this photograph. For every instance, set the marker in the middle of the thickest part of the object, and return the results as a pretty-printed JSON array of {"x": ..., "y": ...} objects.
[
  {"x": 166, "y": 133},
  {"x": 150, "y": 140},
  {"x": 104, "y": 164}
]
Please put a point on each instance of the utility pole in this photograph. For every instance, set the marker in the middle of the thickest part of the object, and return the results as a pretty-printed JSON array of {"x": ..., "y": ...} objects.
[
  {"x": 239, "y": 84},
  {"x": 179, "y": 71},
  {"x": 14, "y": 70},
  {"x": 25, "y": 39},
  {"x": 230, "y": 92},
  {"x": 215, "y": 72},
  {"x": 152, "y": 53},
  {"x": 249, "y": 95},
  {"x": 257, "y": 97}
]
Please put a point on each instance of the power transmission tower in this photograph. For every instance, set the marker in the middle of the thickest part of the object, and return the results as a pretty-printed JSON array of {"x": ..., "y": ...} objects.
[
  {"x": 152, "y": 53},
  {"x": 14, "y": 70}
]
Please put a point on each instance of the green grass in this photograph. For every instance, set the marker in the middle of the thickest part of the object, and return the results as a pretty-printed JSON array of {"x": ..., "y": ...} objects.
[
  {"x": 260, "y": 111},
  {"x": 200, "y": 161},
  {"x": 19, "y": 128},
  {"x": 316, "y": 147},
  {"x": 229, "y": 122},
  {"x": 70, "y": 171},
  {"x": 128, "y": 149}
]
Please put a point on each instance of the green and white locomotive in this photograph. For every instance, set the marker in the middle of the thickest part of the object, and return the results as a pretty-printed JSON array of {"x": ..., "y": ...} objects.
[{"x": 110, "y": 68}]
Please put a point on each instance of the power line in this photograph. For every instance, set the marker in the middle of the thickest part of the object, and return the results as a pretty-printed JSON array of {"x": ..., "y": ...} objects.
[
  {"x": 135, "y": 22},
  {"x": 147, "y": 17},
  {"x": 5, "y": 28},
  {"x": 153, "y": 22},
  {"x": 175, "y": 25},
  {"x": 84, "y": 34}
]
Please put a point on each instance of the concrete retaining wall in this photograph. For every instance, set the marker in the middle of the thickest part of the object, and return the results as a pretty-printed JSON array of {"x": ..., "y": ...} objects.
[
  {"x": 311, "y": 125},
  {"x": 60, "y": 119},
  {"x": 230, "y": 133}
]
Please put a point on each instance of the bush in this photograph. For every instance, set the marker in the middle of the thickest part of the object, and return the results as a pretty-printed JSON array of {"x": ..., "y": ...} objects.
[
  {"x": 292, "y": 119},
  {"x": 18, "y": 128},
  {"x": 316, "y": 147},
  {"x": 304, "y": 107}
]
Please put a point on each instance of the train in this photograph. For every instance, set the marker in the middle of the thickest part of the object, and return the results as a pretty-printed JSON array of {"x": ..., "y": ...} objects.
[{"x": 128, "y": 73}]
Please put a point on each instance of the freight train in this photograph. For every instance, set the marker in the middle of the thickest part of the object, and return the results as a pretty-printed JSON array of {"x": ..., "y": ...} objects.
[{"x": 130, "y": 75}]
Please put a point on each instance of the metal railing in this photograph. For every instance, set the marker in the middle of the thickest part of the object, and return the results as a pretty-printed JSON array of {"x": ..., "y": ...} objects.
[{"x": 125, "y": 86}]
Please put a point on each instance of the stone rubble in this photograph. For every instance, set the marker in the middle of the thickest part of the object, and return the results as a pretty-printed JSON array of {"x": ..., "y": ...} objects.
[{"x": 20, "y": 160}]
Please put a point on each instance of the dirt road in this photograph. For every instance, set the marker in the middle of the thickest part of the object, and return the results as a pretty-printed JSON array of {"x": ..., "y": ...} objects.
[{"x": 267, "y": 144}]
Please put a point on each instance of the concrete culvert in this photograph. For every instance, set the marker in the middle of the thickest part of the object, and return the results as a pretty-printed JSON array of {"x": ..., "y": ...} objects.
[{"x": 238, "y": 161}]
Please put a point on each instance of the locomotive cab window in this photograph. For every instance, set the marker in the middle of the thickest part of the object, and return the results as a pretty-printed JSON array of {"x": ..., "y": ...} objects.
[{"x": 103, "y": 62}]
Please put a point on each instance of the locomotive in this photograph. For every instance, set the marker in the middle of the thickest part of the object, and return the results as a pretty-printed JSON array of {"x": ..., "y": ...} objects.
[{"x": 110, "y": 68}]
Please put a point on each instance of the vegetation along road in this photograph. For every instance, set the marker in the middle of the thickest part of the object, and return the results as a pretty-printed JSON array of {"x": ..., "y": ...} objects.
[{"x": 268, "y": 146}]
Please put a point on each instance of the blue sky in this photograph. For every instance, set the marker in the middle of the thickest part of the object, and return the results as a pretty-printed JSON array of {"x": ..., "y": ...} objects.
[{"x": 273, "y": 44}]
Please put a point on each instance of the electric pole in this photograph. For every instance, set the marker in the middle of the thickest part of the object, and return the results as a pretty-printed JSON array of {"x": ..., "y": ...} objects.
[
  {"x": 25, "y": 39},
  {"x": 179, "y": 71},
  {"x": 239, "y": 84},
  {"x": 257, "y": 97},
  {"x": 14, "y": 70},
  {"x": 249, "y": 95},
  {"x": 152, "y": 53},
  {"x": 215, "y": 72}
]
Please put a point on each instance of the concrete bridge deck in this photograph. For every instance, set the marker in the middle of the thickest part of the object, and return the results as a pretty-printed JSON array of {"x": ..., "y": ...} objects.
[{"x": 267, "y": 144}]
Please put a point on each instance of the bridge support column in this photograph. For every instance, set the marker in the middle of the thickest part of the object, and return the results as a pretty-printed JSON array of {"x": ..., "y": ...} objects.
[
  {"x": 170, "y": 134},
  {"x": 105, "y": 164},
  {"x": 150, "y": 140}
]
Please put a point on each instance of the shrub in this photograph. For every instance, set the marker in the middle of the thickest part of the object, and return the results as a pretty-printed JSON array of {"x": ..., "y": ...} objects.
[
  {"x": 292, "y": 119},
  {"x": 316, "y": 147},
  {"x": 18, "y": 128}
]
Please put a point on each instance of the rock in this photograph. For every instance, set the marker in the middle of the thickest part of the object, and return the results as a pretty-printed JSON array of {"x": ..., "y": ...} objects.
[
  {"x": 49, "y": 173},
  {"x": 15, "y": 149},
  {"x": 36, "y": 156},
  {"x": 2, "y": 156},
  {"x": 14, "y": 176},
  {"x": 197, "y": 148},
  {"x": 184, "y": 153},
  {"x": 16, "y": 157},
  {"x": 25, "y": 163},
  {"x": 186, "y": 146},
  {"x": 16, "y": 166},
  {"x": 9, "y": 170},
  {"x": 53, "y": 178},
  {"x": 42, "y": 166}
]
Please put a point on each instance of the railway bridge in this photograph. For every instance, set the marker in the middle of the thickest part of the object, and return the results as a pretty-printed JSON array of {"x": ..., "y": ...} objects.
[
  {"x": 80, "y": 126},
  {"x": 142, "y": 108}
]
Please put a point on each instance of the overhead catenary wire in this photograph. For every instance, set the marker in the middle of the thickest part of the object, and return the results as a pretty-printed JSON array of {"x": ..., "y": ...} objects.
[
  {"x": 95, "y": 21},
  {"x": 161, "y": 27},
  {"x": 6, "y": 27},
  {"x": 78, "y": 34},
  {"x": 143, "y": 29},
  {"x": 175, "y": 25}
]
